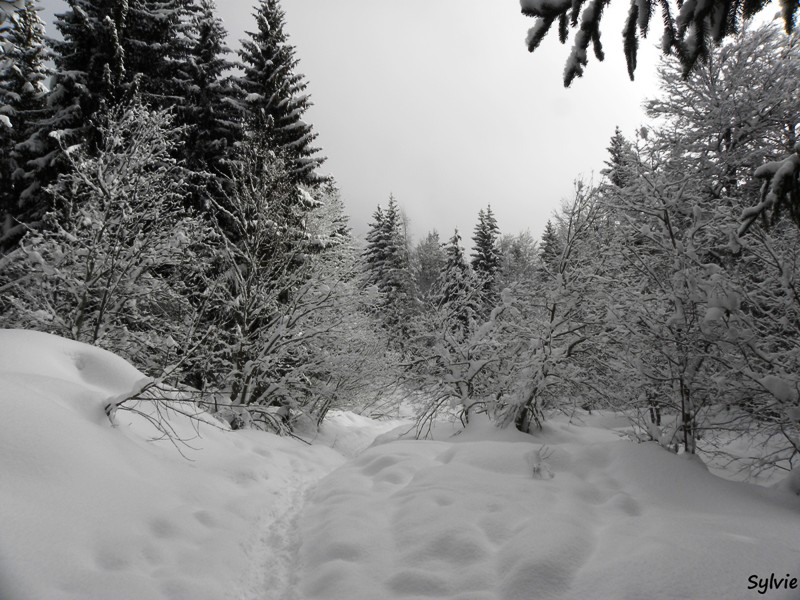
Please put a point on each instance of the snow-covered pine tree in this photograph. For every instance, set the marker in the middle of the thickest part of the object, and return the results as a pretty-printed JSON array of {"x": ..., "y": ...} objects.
[
  {"x": 397, "y": 285},
  {"x": 429, "y": 261},
  {"x": 156, "y": 43},
  {"x": 551, "y": 248},
  {"x": 486, "y": 257},
  {"x": 457, "y": 291},
  {"x": 89, "y": 75},
  {"x": 90, "y": 63},
  {"x": 387, "y": 266},
  {"x": 110, "y": 51},
  {"x": 617, "y": 168},
  {"x": 374, "y": 255},
  {"x": 23, "y": 74},
  {"x": 274, "y": 101},
  {"x": 212, "y": 109}
]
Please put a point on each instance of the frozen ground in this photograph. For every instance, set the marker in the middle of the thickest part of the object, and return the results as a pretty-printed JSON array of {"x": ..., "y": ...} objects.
[{"x": 90, "y": 511}]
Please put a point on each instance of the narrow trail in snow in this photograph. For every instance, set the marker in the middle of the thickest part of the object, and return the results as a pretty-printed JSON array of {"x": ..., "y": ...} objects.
[
  {"x": 275, "y": 553},
  {"x": 273, "y": 549}
]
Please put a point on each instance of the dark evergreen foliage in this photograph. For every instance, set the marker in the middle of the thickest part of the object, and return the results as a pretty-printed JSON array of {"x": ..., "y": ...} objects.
[
  {"x": 486, "y": 256},
  {"x": 274, "y": 99},
  {"x": 156, "y": 43},
  {"x": 551, "y": 248},
  {"x": 686, "y": 34},
  {"x": 387, "y": 266},
  {"x": 211, "y": 109},
  {"x": 429, "y": 261},
  {"x": 619, "y": 159},
  {"x": 23, "y": 74},
  {"x": 457, "y": 291}
]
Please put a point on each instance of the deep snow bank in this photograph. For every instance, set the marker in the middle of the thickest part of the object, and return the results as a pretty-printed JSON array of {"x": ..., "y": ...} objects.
[{"x": 89, "y": 511}]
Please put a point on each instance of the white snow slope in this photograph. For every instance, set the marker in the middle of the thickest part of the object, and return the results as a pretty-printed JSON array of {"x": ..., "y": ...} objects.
[{"x": 90, "y": 511}]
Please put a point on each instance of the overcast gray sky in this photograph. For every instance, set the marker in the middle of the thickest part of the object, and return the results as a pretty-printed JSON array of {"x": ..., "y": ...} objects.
[{"x": 439, "y": 103}]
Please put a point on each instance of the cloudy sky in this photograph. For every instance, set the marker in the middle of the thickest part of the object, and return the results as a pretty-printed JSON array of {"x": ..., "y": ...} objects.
[{"x": 439, "y": 103}]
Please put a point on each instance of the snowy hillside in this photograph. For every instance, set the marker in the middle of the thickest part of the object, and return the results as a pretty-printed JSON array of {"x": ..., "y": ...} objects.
[{"x": 90, "y": 511}]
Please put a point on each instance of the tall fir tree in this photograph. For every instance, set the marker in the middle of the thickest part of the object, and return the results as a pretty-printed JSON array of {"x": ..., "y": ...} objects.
[
  {"x": 212, "y": 109},
  {"x": 374, "y": 255},
  {"x": 456, "y": 290},
  {"x": 388, "y": 267},
  {"x": 486, "y": 256},
  {"x": 620, "y": 158},
  {"x": 429, "y": 261},
  {"x": 551, "y": 248},
  {"x": 23, "y": 75},
  {"x": 274, "y": 100},
  {"x": 156, "y": 42}
]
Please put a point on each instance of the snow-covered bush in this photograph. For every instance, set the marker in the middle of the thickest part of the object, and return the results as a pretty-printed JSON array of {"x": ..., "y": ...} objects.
[{"x": 114, "y": 263}]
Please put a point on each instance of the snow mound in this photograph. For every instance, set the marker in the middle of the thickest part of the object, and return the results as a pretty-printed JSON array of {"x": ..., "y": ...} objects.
[
  {"x": 575, "y": 512},
  {"x": 94, "y": 512}
]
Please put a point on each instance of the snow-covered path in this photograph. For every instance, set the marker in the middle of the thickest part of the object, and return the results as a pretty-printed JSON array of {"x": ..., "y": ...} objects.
[
  {"x": 573, "y": 513},
  {"x": 273, "y": 548}
]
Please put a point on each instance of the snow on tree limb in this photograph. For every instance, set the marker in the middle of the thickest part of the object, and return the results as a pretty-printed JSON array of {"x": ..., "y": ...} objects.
[
  {"x": 781, "y": 189},
  {"x": 686, "y": 34}
]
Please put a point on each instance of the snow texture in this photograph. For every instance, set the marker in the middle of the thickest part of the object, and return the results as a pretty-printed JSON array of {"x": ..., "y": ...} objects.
[{"x": 92, "y": 511}]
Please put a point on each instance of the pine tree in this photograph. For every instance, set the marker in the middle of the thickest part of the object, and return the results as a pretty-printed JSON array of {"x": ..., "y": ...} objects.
[
  {"x": 89, "y": 76},
  {"x": 90, "y": 63},
  {"x": 456, "y": 289},
  {"x": 156, "y": 43},
  {"x": 619, "y": 160},
  {"x": 211, "y": 109},
  {"x": 387, "y": 266},
  {"x": 551, "y": 248},
  {"x": 429, "y": 261},
  {"x": 23, "y": 73},
  {"x": 486, "y": 256},
  {"x": 274, "y": 99}
]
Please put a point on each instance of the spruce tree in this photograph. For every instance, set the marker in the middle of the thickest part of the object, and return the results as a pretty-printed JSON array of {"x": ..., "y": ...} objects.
[
  {"x": 90, "y": 64},
  {"x": 551, "y": 248},
  {"x": 23, "y": 74},
  {"x": 620, "y": 154},
  {"x": 274, "y": 100},
  {"x": 486, "y": 256},
  {"x": 397, "y": 281},
  {"x": 456, "y": 290},
  {"x": 156, "y": 44},
  {"x": 374, "y": 255},
  {"x": 211, "y": 109},
  {"x": 88, "y": 79},
  {"x": 429, "y": 261},
  {"x": 387, "y": 266}
]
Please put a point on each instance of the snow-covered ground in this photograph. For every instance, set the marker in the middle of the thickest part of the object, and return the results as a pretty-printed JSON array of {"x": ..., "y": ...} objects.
[{"x": 90, "y": 511}]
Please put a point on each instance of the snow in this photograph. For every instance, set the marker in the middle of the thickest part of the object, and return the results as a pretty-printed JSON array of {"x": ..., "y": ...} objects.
[{"x": 92, "y": 511}]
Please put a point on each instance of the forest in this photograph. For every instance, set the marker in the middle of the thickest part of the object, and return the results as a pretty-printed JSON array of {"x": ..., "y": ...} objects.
[
  {"x": 211, "y": 387},
  {"x": 161, "y": 199}
]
